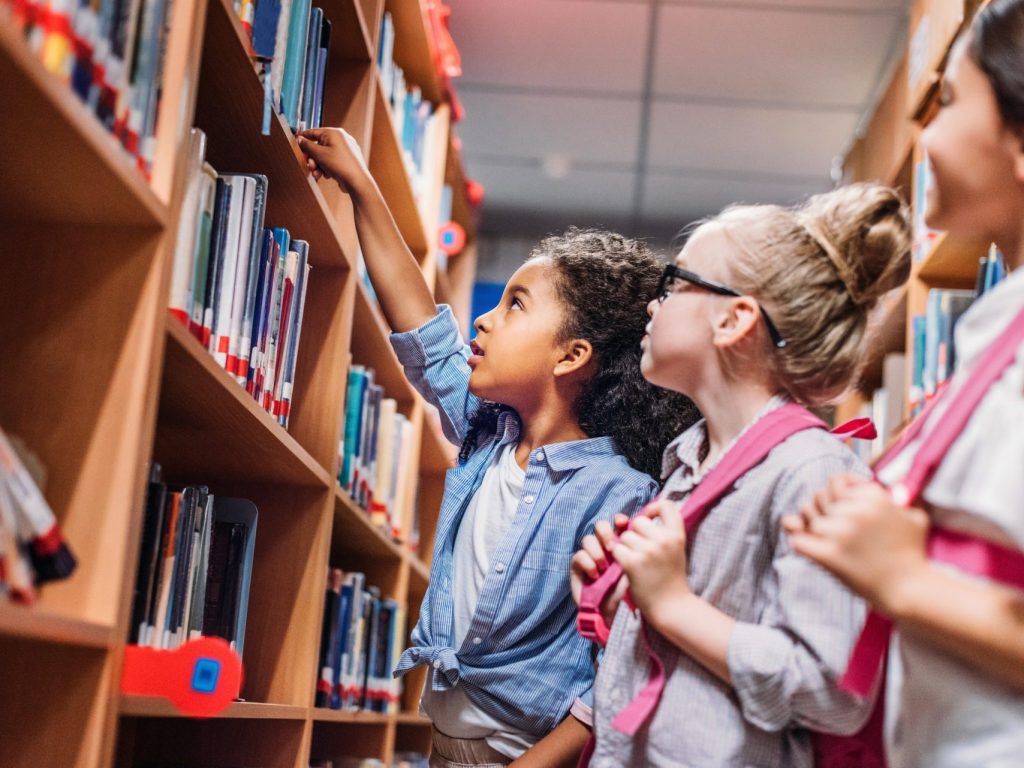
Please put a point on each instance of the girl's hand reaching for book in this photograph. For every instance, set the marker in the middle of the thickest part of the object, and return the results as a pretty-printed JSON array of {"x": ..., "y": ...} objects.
[{"x": 333, "y": 153}]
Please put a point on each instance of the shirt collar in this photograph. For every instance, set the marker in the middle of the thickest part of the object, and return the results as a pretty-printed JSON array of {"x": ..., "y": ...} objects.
[
  {"x": 688, "y": 449},
  {"x": 561, "y": 457}
]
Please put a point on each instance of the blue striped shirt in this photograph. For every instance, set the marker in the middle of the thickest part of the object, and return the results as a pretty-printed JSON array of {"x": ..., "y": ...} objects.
[{"x": 529, "y": 665}]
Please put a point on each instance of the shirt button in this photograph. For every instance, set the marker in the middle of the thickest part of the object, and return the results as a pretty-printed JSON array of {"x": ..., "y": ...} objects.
[
  {"x": 529, "y": 498},
  {"x": 538, "y": 457},
  {"x": 500, "y": 567},
  {"x": 477, "y": 640},
  {"x": 437, "y": 663}
]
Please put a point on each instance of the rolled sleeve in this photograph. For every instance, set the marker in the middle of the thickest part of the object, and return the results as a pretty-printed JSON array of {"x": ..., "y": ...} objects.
[
  {"x": 785, "y": 669},
  {"x": 434, "y": 357}
]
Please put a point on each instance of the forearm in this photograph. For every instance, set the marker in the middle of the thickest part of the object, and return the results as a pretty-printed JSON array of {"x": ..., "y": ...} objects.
[
  {"x": 698, "y": 629},
  {"x": 397, "y": 280},
  {"x": 561, "y": 747},
  {"x": 977, "y": 622}
]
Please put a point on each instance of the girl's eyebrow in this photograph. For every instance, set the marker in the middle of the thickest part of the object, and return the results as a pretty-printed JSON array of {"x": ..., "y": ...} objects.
[{"x": 515, "y": 288}]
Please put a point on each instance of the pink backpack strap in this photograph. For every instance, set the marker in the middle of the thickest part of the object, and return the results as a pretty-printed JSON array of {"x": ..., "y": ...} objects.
[
  {"x": 749, "y": 451},
  {"x": 977, "y": 556}
]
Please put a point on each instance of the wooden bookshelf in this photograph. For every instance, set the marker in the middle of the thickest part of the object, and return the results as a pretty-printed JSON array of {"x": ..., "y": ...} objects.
[
  {"x": 109, "y": 382},
  {"x": 892, "y": 140}
]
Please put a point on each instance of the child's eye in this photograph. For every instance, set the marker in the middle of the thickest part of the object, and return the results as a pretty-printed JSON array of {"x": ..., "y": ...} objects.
[
  {"x": 945, "y": 97},
  {"x": 515, "y": 303}
]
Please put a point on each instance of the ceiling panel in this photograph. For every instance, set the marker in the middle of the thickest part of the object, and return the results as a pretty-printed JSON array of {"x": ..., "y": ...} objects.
[
  {"x": 682, "y": 199},
  {"x": 526, "y": 187},
  {"x": 579, "y": 128},
  {"x": 552, "y": 43},
  {"x": 745, "y": 140},
  {"x": 770, "y": 55}
]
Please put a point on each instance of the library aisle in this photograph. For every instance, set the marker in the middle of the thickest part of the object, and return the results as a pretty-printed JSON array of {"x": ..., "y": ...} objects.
[{"x": 204, "y": 429}]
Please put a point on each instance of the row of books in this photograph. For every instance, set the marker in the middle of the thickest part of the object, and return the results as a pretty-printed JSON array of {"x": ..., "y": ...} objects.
[
  {"x": 376, "y": 446},
  {"x": 361, "y": 640},
  {"x": 238, "y": 286},
  {"x": 924, "y": 237},
  {"x": 195, "y": 566},
  {"x": 32, "y": 551},
  {"x": 291, "y": 42},
  {"x": 415, "y": 121},
  {"x": 111, "y": 53},
  {"x": 933, "y": 333}
]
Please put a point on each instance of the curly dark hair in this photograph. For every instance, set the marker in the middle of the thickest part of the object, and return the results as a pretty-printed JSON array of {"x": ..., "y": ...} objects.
[{"x": 604, "y": 281}]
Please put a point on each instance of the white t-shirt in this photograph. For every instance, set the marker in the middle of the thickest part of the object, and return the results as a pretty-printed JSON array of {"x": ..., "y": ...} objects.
[
  {"x": 956, "y": 716},
  {"x": 484, "y": 525}
]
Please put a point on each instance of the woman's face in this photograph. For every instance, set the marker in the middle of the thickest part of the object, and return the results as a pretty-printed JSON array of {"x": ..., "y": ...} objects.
[{"x": 973, "y": 154}]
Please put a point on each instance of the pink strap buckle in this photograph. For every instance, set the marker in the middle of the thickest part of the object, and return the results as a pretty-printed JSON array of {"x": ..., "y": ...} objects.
[{"x": 590, "y": 622}]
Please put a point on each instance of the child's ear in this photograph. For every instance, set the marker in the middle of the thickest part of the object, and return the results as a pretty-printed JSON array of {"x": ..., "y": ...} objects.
[
  {"x": 737, "y": 323},
  {"x": 575, "y": 356}
]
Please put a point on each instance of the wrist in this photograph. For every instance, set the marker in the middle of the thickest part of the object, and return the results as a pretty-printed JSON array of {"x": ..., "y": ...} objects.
[
  {"x": 903, "y": 591},
  {"x": 672, "y": 608}
]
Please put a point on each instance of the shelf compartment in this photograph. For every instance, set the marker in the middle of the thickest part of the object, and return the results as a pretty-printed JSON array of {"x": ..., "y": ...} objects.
[
  {"x": 85, "y": 349},
  {"x": 229, "y": 109},
  {"x": 152, "y": 706},
  {"x": 388, "y": 169},
  {"x": 371, "y": 346},
  {"x": 338, "y": 735},
  {"x": 55, "y": 703},
  {"x": 414, "y": 47},
  {"x": 209, "y": 426},
  {"x": 357, "y": 536},
  {"x": 60, "y": 163},
  {"x": 952, "y": 262},
  {"x": 269, "y": 743},
  {"x": 38, "y": 624}
]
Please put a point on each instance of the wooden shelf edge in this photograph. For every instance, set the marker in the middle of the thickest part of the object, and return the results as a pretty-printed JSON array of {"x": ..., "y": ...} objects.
[
  {"x": 179, "y": 335},
  {"x": 381, "y": 542},
  {"x": 415, "y": 47},
  {"x": 38, "y": 624},
  {"x": 413, "y": 719},
  {"x": 136, "y": 204},
  {"x": 951, "y": 262},
  {"x": 153, "y": 706},
  {"x": 322, "y": 715}
]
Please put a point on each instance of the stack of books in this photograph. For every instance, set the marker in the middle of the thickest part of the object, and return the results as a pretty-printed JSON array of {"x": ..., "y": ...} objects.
[
  {"x": 291, "y": 44},
  {"x": 238, "y": 286},
  {"x": 111, "y": 53},
  {"x": 195, "y": 566},
  {"x": 360, "y": 643},
  {"x": 375, "y": 451}
]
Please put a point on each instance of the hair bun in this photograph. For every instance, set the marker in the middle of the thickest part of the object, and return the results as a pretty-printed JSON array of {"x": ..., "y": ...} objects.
[{"x": 864, "y": 229}]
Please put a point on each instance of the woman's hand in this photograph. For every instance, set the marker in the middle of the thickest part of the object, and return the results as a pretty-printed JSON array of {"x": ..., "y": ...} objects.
[
  {"x": 333, "y": 153},
  {"x": 853, "y": 528}
]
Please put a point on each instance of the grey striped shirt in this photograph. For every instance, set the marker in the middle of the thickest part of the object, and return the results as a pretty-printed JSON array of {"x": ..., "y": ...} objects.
[{"x": 796, "y": 626}]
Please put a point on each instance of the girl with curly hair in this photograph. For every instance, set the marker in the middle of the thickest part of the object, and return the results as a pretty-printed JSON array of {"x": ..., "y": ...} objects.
[{"x": 558, "y": 430}]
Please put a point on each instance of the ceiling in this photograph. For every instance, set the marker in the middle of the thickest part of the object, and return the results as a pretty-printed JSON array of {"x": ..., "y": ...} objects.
[{"x": 642, "y": 115}]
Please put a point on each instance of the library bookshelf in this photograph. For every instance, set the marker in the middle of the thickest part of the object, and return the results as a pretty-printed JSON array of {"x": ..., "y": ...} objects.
[
  {"x": 98, "y": 380},
  {"x": 889, "y": 151}
]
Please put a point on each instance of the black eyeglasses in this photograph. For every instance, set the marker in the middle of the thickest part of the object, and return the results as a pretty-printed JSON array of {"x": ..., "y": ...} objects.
[{"x": 673, "y": 273}]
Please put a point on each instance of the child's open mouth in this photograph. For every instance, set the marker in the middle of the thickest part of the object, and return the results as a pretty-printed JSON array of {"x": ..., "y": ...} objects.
[{"x": 477, "y": 354}]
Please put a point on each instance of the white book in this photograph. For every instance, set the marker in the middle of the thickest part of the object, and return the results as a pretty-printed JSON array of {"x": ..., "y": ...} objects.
[
  {"x": 220, "y": 337},
  {"x": 188, "y": 230},
  {"x": 243, "y": 265}
]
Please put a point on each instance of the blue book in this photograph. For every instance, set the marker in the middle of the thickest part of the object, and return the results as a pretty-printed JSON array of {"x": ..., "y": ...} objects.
[
  {"x": 264, "y": 28},
  {"x": 341, "y": 644},
  {"x": 261, "y": 304},
  {"x": 321, "y": 74},
  {"x": 316, "y": 21},
  {"x": 295, "y": 62}
]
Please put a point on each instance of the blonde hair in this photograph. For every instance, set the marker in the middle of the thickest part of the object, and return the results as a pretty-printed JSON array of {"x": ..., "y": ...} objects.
[{"x": 818, "y": 269}]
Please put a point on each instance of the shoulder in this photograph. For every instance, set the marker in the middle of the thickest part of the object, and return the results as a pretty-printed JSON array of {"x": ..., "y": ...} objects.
[{"x": 804, "y": 462}]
